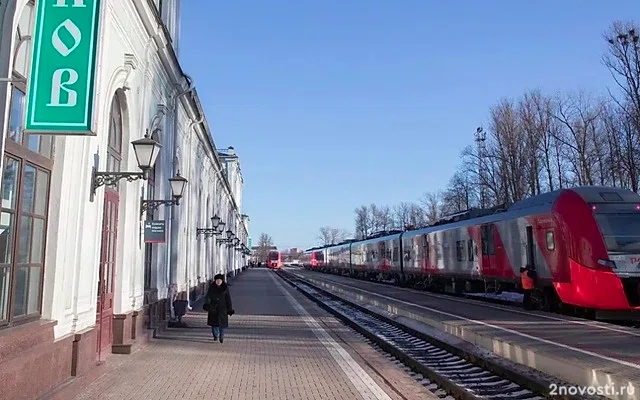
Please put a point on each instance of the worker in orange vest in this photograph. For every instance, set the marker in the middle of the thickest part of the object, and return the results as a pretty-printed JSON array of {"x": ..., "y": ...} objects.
[{"x": 527, "y": 276}]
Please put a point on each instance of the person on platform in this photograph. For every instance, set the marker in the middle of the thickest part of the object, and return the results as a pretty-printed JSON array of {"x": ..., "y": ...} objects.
[
  {"x": 527, "y": 280},
  {"x": 218, "y": 305}
]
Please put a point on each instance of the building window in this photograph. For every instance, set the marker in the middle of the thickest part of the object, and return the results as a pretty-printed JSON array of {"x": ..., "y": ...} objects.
[
  {"x": 114, "y": 149},
  {"x": 25, "y": 199}
]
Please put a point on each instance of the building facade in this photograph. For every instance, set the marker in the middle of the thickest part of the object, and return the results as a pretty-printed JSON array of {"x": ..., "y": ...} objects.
[{"x": 79, "y": 277}]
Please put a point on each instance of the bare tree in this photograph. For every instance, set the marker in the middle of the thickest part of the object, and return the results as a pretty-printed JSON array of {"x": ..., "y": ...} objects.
[
  {"x": 329, "y": 235},
  {"x": 402, "y": 215},
  {"x": 416, "y": 216},
  {"x": 511, "y": 150},
  {"x": 382, "y": 218},
  {"x": 579, "y": 115},
  {"x": 539, "y": 143},
  {"x": 265, "y": 244},
  {"x": 458, "y": 195},
  {"x": 431, "y": 204},
  {"x": 623, "y": 61}
]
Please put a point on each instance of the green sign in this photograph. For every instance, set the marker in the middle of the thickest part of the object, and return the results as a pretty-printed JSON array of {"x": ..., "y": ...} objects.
[
  {"x": 155, "y": 231},
  {"x": 61, "y": 82}
]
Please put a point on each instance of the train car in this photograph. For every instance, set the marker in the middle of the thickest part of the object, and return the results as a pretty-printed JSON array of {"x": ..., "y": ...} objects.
[
  {"x": 314, "y": 258},
  {"x": 377, "y": 257},
  {"x": 583, "y": 243},
  {"x": 338, "y": 259},
  {"x": 274, "y": 260}
]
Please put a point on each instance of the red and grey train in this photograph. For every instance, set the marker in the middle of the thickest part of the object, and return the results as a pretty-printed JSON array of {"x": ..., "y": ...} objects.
[
  {"x": 274, "y": 260},
  {"x": 583, "y": 243}
]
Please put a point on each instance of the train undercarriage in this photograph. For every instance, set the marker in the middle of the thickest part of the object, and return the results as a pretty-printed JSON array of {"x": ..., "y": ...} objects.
[{"x": 543, "y": 298}]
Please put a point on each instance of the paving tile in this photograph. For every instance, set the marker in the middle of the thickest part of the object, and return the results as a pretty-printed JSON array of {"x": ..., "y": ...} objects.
[{"x": 269, "y": 352}]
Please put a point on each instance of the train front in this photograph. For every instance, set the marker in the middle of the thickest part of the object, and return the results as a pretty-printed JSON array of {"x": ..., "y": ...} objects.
[
  {"x": 273, "y": 260},
  {"x": 620, "y": 228},
  {"x": 609, "y": 281}
]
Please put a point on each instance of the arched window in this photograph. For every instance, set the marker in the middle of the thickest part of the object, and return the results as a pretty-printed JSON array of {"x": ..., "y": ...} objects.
[
  {"x": 25, "y": 196},
  {"x": 114, "y": 149}
]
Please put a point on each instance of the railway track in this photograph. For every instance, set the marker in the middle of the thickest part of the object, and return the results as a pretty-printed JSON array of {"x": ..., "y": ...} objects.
[{"x": 448, "y": 375}]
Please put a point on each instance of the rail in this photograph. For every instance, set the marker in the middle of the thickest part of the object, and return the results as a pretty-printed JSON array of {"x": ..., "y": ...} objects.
[{"x": 446, "y": 370}]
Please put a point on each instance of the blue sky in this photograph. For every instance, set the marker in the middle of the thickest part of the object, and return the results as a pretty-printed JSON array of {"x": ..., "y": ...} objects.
[{"x": 331, "y": 104}]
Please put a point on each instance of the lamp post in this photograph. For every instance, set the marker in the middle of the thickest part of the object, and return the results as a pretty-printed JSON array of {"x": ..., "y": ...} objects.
[
  {"x": 178, "y": 183},
  {"x": 146, "y": 151},
  {"x": 480, "y": 138}
]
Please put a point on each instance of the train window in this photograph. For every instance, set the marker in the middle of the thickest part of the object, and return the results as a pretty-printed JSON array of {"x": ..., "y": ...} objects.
[
  {"x": 460, "y": 250},
  {"x": 425, "y": 246},
  {"x": 620, "y": 231},
  {"x": 551, "y": 244},
  {"x": 396, "y": 253},
  {"x": 470, "y": 247},
  {"x": 486, "y": 232},
  {"x": 407, "y": 254}
]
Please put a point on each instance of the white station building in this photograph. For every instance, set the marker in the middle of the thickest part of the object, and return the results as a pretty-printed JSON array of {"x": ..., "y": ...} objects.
[{"x": 102, "y": 240}]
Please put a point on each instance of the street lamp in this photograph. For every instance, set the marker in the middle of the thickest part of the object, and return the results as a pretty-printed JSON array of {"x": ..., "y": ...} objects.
[
  {"x": 217, "y": 229},
  {"x": 220, "y": 228},
  {"x": 229, "y": 239},
  {"x": 146, "y": 151},
  {"x": 178, "y": 183}
]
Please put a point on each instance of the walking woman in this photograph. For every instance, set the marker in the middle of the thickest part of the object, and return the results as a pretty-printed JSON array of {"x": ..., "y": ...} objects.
[{"x": 218, "y": 304}]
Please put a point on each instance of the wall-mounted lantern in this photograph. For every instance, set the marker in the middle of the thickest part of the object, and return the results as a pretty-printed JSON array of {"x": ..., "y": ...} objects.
[
  {"x": 217, "y": 228},
  {"x": 229, "y": 238},
  {"x": 146, "y": 151},
  {"x": 178, "y": 183}
]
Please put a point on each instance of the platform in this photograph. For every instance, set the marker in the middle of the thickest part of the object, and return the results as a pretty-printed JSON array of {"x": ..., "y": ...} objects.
[
  {"x": 279, "y": 345},
  {"x": 581, "y": 352}
]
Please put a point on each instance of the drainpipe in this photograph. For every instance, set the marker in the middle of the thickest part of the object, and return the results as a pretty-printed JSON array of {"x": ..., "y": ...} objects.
[
  {"x": 173, "y": 279},
  {"x": 190, "y": 132}
]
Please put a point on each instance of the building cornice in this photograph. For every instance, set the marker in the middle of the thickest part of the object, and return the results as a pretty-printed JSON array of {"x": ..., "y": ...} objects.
[{"x": 152, "y": 22}]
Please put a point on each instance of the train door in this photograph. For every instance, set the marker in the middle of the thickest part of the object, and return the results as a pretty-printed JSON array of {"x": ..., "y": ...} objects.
[
  {"x": 488, "y": 266},
  {"x": 426, "y": 257},
  {"x": 531, "y": 262}
]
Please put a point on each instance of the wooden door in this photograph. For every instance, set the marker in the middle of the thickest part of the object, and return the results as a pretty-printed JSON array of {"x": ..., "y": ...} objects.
[{"x": 104, "y": 320}]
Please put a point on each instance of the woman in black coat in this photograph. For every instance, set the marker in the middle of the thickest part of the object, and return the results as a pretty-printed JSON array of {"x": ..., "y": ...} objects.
[{"x": 218, "y": 304}]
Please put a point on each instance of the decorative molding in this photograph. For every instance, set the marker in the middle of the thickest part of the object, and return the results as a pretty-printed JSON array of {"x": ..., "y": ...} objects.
[
  {"x": 130, "y": 64},
  {"x": 156, "y": 121}
]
